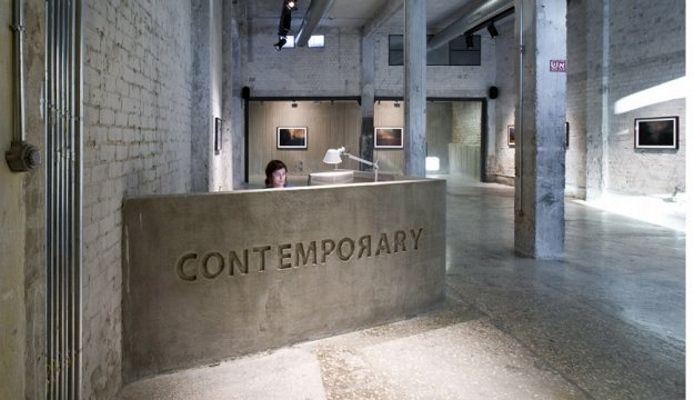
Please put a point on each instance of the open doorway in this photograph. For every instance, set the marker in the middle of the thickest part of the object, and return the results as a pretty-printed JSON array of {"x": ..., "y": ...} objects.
[{"x": 455, "y": 137}]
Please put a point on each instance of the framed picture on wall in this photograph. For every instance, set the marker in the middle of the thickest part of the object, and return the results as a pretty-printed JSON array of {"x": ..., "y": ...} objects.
[
  {"x": 388, "y": 138},
  {"x": 217, "y": 136},
  {"x": 292, "y": 137},
  {"x": 511, "y": 135},
  {"x": 657, "y": 133}
]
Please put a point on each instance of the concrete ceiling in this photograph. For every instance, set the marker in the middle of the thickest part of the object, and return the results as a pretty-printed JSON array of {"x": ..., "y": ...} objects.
[{"x": 356, "y": 13}]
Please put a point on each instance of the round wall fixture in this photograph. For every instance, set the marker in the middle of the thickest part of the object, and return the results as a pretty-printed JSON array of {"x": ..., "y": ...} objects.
[{"x": 492, "y": 92}]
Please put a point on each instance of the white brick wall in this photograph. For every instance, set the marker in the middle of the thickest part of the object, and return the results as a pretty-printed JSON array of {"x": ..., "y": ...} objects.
[
  {"x": 137, "y": 84},
  {"x": 335, "y": 70},
  {"x": 331, "y": 71},
  {"x": 647, "y": 49}
]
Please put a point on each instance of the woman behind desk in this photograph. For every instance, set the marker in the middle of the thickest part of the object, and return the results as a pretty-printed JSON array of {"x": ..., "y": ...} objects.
[{"x": 275, "y": 174}]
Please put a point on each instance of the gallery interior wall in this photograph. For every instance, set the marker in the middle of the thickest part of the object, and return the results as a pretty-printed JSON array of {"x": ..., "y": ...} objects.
[
  {"x": 636, "y": 63},
  {"x": 453, "y": 130},
  {"x": 330, "y": 124}
]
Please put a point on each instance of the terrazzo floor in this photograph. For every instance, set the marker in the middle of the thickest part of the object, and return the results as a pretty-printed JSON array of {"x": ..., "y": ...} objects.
[{"x": 605, "y": 322}]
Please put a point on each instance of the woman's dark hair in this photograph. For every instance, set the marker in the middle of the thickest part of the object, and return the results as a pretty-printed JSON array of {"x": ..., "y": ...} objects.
[{"x": 272, "y": 166}]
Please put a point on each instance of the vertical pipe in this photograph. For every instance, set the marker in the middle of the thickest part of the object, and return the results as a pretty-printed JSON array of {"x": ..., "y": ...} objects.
[
  {"x": 18, "y": 28},
  {"x": 78, "y": 198},
  {"x": 50, "y": 275},
  {"x": 63, "y": 152},
  {"x": 55, "y": 150},
  {"x": 69, "y": 199}
]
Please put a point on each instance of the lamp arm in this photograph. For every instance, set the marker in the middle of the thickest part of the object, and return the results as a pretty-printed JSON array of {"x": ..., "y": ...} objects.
[{"x": 372, "y": 164}]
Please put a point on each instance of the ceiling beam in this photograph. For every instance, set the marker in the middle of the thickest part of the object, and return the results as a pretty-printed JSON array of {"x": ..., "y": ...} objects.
[
  {"x": 315, "y": 12},
  {"x": 473, "y": 14},
  {"x": 390, "y": 8}
]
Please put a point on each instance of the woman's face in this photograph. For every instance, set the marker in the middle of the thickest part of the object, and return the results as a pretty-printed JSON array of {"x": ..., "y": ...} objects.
[{"x": 279, "y": 178}]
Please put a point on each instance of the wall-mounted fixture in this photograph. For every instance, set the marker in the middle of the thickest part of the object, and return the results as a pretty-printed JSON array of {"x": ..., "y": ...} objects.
[
  {"x": 396, "y": 104},
  {"x": 294, "y": 104}
]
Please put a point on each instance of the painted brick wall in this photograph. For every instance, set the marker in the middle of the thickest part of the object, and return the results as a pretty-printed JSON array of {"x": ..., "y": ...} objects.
[
  {"x": 576, "y": 98},
  {"x": 441, "y": 81},
  {"x": 331, "y": 71},
  {"x": 137, "y": 82},
  {"x": 335, "y": 69},
  {"x": 646, "y": 49}
]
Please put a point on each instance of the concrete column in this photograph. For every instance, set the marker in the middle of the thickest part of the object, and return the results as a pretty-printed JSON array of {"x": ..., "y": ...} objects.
[
  {"x": 415, "y": 87},
  {"x": 367, "y": 98},
  {"x": 232, "y": 109},
  {"x": 597, "y": 111},
  {"x": 201, "y": 129},
  {"x": 539, "y": 128}
]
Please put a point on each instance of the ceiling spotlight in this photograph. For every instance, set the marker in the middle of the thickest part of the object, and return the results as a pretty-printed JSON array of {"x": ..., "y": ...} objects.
[
  {"x": 291, "y": 4},
  {"x": 470, "y": 41},
  {"x": 396, "y": 104},
  {"x": 294, "y": 105},
  {"x": 278, "y": 46},
  {"x": 492, "y": 30}
]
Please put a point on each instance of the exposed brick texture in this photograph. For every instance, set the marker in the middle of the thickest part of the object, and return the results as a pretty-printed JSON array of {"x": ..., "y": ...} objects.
[{"x": 137, "y": 83}]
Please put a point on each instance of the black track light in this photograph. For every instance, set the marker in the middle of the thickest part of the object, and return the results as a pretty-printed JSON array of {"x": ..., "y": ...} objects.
[
  {"x": 492, "y": 30},
  {"x": 278, "y": 46}
]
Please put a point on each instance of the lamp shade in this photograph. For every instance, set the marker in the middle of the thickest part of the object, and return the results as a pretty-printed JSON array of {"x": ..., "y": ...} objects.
[{"x": 333, "y": 156}]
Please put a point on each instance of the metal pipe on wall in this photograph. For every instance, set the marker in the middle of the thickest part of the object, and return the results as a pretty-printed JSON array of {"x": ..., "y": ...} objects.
[
  {"x": 21, "y": 156},
  {"x": 18, "y": 28},
  {"x": 63, "y": 125}
]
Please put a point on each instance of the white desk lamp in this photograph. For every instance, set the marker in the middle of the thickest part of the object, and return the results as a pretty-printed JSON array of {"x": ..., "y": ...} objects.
[{"x": 334, "y": 156}]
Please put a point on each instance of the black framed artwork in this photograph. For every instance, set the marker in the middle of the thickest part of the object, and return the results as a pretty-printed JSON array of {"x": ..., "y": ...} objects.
[
  {"x": 292, "y": 137},
  {"x": 656, "y": 133},
  {"x": 388, "y": 138}
]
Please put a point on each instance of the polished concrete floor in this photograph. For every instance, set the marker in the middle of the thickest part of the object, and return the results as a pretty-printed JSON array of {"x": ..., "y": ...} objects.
[{"x": 606, "y": 322}]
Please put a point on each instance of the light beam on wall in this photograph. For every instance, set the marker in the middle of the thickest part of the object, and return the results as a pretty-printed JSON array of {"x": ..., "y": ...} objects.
[{"x": 674, "y": 89}]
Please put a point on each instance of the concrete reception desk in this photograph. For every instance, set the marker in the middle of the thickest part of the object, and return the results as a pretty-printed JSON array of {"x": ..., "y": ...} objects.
[{"x": 218, "y": 275}]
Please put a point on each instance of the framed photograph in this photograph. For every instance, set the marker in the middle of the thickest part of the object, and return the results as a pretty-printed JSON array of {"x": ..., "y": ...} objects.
[
  {"x": 657, "y": 133},
  {"x": 292, "y": 137},
  {"x": 217, "y": 136},
  {"x": 511, "y": 135},
  {"x": 388, "y": 138}
]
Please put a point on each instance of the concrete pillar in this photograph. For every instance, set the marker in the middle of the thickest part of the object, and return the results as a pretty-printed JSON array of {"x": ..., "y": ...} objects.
[
  {"x": 540, "y": 129},
  {"x": 232, "y": 109},
  {"x": 367, "y": 98},
  {"x": 597, "y": 110},
  {"x": 202, "y": 125},
  {"x": 415, "y": 87}
]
